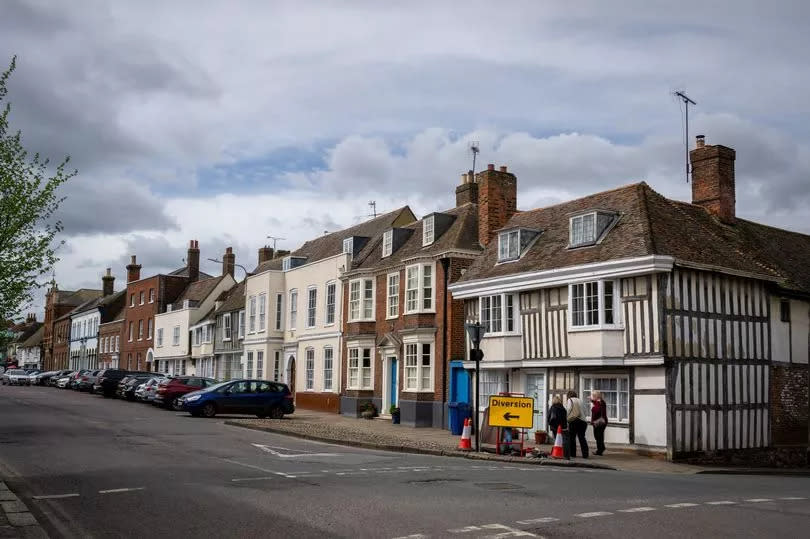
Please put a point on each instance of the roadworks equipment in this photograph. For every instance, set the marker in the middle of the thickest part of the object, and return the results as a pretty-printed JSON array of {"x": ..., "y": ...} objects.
[
  {"x": 557, "y": 451},
  {"x": 465, "y": 444}
]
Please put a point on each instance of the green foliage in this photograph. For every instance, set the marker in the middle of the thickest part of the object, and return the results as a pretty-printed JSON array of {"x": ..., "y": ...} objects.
[{"x": 28, "y": 200}]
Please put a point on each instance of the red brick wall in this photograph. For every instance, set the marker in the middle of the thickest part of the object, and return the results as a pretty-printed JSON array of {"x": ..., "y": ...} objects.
[
  {"x": 61, "y": 343},
  {"x": 789, "y": 403},
  {"x": 713, "y": 180},
  {"x": 112, "y": 329},
  {"x": 133, "y": 353},
  {"x": 497, "y": 201}
]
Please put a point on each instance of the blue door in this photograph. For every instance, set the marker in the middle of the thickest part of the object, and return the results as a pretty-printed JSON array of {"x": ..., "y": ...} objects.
[{"x": 394, "y": 393}]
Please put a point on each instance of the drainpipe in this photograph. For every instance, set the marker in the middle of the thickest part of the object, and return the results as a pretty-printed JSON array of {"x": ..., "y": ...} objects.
[{"x": 445, "y": 269}]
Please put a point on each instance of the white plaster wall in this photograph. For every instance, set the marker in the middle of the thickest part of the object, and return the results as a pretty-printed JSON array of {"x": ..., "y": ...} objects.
[
  {"x": 167, "y": 321},
  {"x": 650, "y": 378},
  {"x": 502, "y": 348},
  {"x": 268, "y": 282},
  {"x": 613, "y": 435},
  {"x": 301, "y": 279},
  {"x": 596, "y": 343},
  {"x": 301, "y": 364},
  {"x": 650, "y": 420},
  {"x": 92, "y": 336},
  {"x": 800, "y": 327}
]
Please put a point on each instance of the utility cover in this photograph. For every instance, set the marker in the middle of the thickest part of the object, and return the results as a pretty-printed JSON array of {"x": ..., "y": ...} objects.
[{"x": 515, "y": 412}]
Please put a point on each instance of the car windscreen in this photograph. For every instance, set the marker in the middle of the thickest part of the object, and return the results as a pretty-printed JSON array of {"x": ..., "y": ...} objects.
[
  {"x": 215, "y": 387},
  {"x": 16, "y": 371}
]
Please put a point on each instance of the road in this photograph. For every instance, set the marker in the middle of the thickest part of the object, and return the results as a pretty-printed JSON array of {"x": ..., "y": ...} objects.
[{"x": 93, "y": 467}]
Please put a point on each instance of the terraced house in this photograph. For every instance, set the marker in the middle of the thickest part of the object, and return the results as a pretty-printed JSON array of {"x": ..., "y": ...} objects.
[
  {"x": 229, "y": 334},
  {"x": 294, "y": 315},
  {"x": 59, "y": 303},
  {"x": 402, "y": 328},
  {"x": 692, "y": 322},
  {"x": 86, "y": 320}
]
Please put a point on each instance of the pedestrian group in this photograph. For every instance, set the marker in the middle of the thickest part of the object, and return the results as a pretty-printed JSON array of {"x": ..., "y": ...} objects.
[{"x": 571, "y": 417}]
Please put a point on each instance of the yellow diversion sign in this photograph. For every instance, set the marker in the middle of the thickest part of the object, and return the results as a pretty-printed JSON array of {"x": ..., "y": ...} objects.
[{"x": 515, "y": 412}]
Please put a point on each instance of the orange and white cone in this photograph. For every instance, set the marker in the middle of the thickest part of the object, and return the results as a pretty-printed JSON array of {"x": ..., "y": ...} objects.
[
  {"x": 465, "y": 444},
  {"x": 557, "y": 451}
]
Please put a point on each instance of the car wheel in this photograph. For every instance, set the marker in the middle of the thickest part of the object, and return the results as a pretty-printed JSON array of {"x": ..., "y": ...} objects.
[
  {"x": 276, "y": 413},
  {"x": 209, "y": 410},
  {"x": 262, "y": 415},
  {"x": 176, "y": 405}
]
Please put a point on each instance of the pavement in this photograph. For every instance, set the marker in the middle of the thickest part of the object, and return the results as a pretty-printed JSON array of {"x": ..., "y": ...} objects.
[{"x": 86, "y": 466}]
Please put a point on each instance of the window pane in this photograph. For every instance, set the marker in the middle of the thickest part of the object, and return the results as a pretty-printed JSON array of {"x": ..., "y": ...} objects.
[
  {"x": 496, "y": 314},
  {"x": 427, "y": 287},
  {"x": 514, "y": 244},
  {"x": 425, "y": 367},
  {"x": 608, "y": 302},
  {"x": 577, "y": 305},
  {"x": 588, "y": 228},
  {"x": 410, "y": 366},
  {"x": 510, "y": 315}
]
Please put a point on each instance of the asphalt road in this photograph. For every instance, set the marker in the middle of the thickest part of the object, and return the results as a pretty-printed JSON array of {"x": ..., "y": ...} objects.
[{"x": 94, "y": 467}]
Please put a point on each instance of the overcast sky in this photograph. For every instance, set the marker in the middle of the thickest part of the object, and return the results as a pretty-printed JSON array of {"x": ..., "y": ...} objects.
[{"x": 227, "y": 122}]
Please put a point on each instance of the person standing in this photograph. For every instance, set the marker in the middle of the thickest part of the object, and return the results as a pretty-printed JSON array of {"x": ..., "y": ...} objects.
[
  {"x": 577, "y": 424},
  {"x": 558, "y": 417},
  {"x": 599, "y": 420}
]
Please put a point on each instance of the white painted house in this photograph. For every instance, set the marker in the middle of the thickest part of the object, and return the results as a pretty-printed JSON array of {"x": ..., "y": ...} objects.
[
  {"x": 693, "y": 323},
  {"x": 85, "y": 320}
]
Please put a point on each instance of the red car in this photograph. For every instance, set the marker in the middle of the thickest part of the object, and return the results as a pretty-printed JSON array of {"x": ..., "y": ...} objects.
[{"x": 172, "y": 388}]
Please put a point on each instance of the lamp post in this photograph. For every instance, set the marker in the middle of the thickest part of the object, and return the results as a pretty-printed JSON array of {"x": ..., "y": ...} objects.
[
  {"x": 476, "y": 331},
  {"x": 247, "y": 273}
]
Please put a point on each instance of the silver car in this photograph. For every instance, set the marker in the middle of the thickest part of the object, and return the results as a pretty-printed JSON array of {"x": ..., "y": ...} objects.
[
  {"x": 146, "y": 391},
  {"x": 16, "y": 377}
]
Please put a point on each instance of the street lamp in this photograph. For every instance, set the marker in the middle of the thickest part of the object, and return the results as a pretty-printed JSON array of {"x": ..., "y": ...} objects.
[
  {"x": 476, "y": 331},
  {"x": 247, "y": 273}
]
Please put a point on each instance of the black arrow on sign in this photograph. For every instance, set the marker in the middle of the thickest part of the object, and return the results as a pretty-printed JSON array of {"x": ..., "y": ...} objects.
[{"x": 507, "y": 416}]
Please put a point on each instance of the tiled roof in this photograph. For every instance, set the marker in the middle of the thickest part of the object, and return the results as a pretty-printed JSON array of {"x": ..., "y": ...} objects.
[
  {"x": 651, "y": 224},
  {"x": 199, "y": 290},
  {"x": 461, "y": 234},
  {"x": 234, "y": 299},
  {"x": 183, "y": 272},
  {"x": 26, "y": 330},
  {"x": 98, "y": 302},
  {"x": 80, "y": 298},
  {"x": 332, "y": 244},
  {"x": 35, "y": 338}
]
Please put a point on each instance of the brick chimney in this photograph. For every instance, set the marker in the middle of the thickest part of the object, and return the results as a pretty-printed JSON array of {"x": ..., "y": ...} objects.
[
  {"x": 193, "y": 260},
  {"x": 32, "y": 317},
  {"x": 107, "y": 282},
  {"x": 467, "y": 192},
  {"x": 713, "y": 179},
  {"x": 497, "y": 201},
  {"x": 228, "y": 262},
  {"x": 133, "y": 270},
  {"x": 265, "y": 254}
]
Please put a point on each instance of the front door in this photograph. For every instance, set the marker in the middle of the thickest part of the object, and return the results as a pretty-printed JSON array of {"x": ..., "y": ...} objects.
[
  {"x": 393, "y": 387},
  {"x": 291, "y": 374},
  {"x": 536, "y": 388}
]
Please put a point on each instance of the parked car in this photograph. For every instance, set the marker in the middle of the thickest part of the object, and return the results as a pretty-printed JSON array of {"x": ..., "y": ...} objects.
[
  {"x": 259, "y": 397},
  {"x": 32, "y": 375},
  {"x": 128, "y": 388},
  {"x": 174, "y": 387},
  {"x": 146, "y": 391},
  {"x": 107, "y": 381},
  {"x": 62, "y": 374},
  {"x": 86, "y": 381},
  {"x": 15, "y": 377},
  {"x": 63, "y": 382},
  {"x": 44, "y": 379},
  {"x": 75, "y": 377}
]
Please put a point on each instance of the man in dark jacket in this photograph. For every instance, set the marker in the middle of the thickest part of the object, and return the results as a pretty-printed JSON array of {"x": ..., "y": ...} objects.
[{"x": 557, "y": 417}]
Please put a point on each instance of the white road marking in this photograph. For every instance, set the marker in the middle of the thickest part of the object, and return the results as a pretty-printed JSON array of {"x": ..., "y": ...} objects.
[
  {"x": 117, "y": 490},
  {"x": 272, "y": 451},
  {"x": 593, "y": 514},
  {"x": 540, "y": 520},
  {"x": 722, "y": 502},
  {"x": 637, "y": 510},
  {"x": 465, "y": 529},
  {"x": 793, "y": 498},
  {"x": 240, "y": 479},
  {"x": 680, "y": 505},
  {"x": 414, "y": 536},
  {"x": 255, "y": 467},
  {"x": 56, "y": 496},
  {"x": 507, "y": 531},
  {"x": 758, "y": 500}
]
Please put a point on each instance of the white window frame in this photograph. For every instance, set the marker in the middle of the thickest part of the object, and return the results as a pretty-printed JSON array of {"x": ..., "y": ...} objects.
[
  {"x": 117, "y": 343},
  {"x": 312, "y": 306},
  {"x": 387, "y": 243},
  {"x": 309, "y": 358},
  {"x": 151, "y": 295},
  {"x": 507, "y": 322},
  {"x": 141, "y": 297},
  {"x": 249, "y": 365},
  {"x": 293, "y": 309},
  {"x": 361, "y": 299},
  {"x": 600, "y": 322},
  {"x": 276, "y": 365},
  {"x": 414, "y": 363},
  {"x": 252, "y": 314},
  {"x": 286, "y": 263},
  {"x": 328, "y": 368},
  {"x": 418, "y": 294},
  {"x": 428, "y": 230},
  {"x": 580, "y": 219},
  {"x": 176, "y": 336},
  {"x": 392, "y": 299},
  {"x": 226, "y": 327},
  {"x": 149, "y": 328},
  {"x": 260, "y": 364},
  {"x": 509, "y": 245},
  {"x": 279, "y": 311},
  {"x": 331, "y": 301},
  {"x": 360, "y": 377},
  {"x": 241, "y": 324},
  {"x": 622, "y": 417},
  {"x": 262, "y": 312},
  {"x": 348, "y": 246},
  {"x": 158, "y": 338}
]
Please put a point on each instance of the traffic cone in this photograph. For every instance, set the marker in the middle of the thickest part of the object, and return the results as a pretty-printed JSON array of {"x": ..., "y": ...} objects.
[
  {"x": 557, "y": 451},
  {"x": 465, "y": 444}
]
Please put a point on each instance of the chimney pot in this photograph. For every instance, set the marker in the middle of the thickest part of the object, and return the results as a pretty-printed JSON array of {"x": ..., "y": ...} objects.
[
  {"x": 700, "y": 141},
  {"x": 713, "y": 184},
  {"x": 497, "y": 201},
  {"x": 193, "y": 261},
  {"x": 107, "y": 283},
  {"x": 491, "y": 166},
  {"x": 503, "y": 169}
]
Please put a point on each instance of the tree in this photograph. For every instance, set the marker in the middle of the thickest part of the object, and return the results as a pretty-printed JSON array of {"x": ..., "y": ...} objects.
[{"x": 28, "y": 200}]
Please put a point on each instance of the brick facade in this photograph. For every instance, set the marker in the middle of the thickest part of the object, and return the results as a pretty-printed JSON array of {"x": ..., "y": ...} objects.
[
  {"x": 789, "y": 404},
  {"x": 713, "y": 179},
  {"x": 497, "y": 201},
  {"x": 110, "y": 330}
]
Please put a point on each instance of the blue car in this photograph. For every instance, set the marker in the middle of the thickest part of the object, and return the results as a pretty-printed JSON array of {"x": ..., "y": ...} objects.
[{"x": 256, "y": 397}]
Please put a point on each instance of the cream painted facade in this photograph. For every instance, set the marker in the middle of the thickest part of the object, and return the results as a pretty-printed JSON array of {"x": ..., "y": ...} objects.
[
  {"x": 291, "y": 337},
  {"x": 172, "y": 343},
  {"x": 790, "y": 337}
]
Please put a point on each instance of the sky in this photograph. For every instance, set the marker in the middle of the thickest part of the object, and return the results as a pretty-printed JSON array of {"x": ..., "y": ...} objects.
[{"x": 227, "y": 122}]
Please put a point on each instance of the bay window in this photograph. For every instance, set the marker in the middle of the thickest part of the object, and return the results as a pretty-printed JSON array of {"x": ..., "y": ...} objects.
[
  {"x": 252, "y": 314},
  {"x": 419, "y": 287},
  {"x": 279, "y": 311},
  {"x": 593, "y": 304},
  {"x": 498, "y": 313},
  {"x": 262, "y": 311},
  {"x": 419, "y": 366},
  {"x": 226, "y": 327}
]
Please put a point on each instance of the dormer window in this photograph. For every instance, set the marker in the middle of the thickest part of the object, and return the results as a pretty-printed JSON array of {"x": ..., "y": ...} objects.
[
  {"x": 387, "y": 243},
  {"x": 348, "y": 246},
  {"x": 513, "y": 243},
  {"x": 428, "y": 230},
  {"x": 286, "y": 263},
  {"x": 291, "y": 262},
  {"x": 589, "y": 228}
]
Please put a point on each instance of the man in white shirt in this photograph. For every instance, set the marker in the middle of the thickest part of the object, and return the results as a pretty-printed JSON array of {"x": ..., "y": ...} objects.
[{"x": 577, "y": 424}]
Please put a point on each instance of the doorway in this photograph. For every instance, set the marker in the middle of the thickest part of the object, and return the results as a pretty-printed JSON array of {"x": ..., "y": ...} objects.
[
  {"x": 391, "y": 388},
  {"x": 291, "y": 374},
  {"x": 536, "y": 388}
]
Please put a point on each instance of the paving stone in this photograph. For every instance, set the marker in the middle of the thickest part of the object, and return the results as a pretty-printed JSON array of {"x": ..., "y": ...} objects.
[
  {"x": 8, "y": 496},
  {"x": 21, "y": 519},
  {"x": 14, "y": 507}
]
